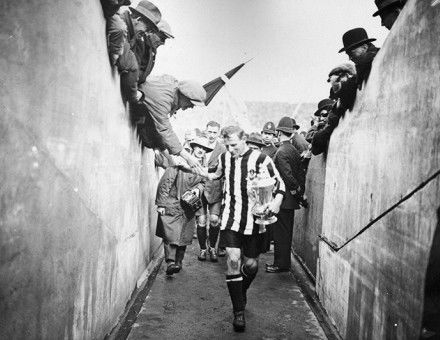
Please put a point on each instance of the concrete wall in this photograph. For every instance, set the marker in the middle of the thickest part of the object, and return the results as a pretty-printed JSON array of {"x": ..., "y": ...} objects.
[
  {"x": 389, "y": 144},
  {"x": 76, "y": 214},
  {"x": 308, "y": 222}
]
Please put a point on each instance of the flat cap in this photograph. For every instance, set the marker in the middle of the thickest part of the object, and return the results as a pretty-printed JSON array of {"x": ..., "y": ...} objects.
[{"x": 194, "y": 91}]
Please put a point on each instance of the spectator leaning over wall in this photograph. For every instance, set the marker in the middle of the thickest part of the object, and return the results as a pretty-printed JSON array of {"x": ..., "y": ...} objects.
[
  {"x": 153, "y": 41},
  {"x": 361, "y": 51},
  {"x": 337, "y": 77},
  {"x": 324, "y": 107},
  {"x": 142, "y": 21},
  {"x": 164, "y": 96},
  {"x": 388, "y": 10}
]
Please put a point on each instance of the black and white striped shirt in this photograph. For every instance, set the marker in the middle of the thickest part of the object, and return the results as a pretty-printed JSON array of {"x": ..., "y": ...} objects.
[{"x": 237, "y": 205}]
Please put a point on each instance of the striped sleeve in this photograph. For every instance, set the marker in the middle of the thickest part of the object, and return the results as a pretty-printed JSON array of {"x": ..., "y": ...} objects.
[{"x": 273, "y": 172}]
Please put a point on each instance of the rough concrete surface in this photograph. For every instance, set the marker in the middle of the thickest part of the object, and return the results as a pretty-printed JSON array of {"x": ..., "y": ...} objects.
[
  {"x": 76, "y": 194},
  {"x": 195, "y": 304},
  {"x": 387, "y": 146}
]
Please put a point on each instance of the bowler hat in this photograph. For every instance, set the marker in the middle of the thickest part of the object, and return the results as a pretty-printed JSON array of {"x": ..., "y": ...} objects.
[
  {"x": 202, "y": 142},
  {"x": 384, "y": 4},
  {"x": 323, "y": 105},
  {"x": 287, "y": 124},
  {"x": 148, "y": 11},
  {"x": 343, "y": 68},
  {"x": 269, "y": 127},
  {"x": 193, "y": 91},
  {"x": 355, "y": 38},
  {"x": 256, "y": 139},
  {"x": 165, "y": 28}
]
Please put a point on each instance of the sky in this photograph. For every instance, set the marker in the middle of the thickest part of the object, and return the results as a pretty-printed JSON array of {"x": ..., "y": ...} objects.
[{"x": 294, "y": 43}]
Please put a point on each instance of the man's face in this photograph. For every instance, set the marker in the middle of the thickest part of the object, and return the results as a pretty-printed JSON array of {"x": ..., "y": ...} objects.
[
  {"x": 389, "y": 16},
  {"x": 139, "y": 25},
  {"x": 357, "y": 53},
  {"x": 267, "y": 137},
  {"x": 157, "y": 39},
  {"x": 235, "y": 145},
  {"x": 212, "y": 133},
  {"x": 184, "y": 102}
]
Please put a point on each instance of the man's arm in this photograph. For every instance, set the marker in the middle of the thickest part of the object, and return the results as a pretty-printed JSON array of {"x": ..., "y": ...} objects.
[
  {"x": 217, "y": 171},
  {"x": 275, "y": 205}
]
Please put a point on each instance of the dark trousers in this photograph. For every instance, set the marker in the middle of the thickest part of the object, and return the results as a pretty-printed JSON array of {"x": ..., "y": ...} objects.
[{"x": 282, "y": 237}]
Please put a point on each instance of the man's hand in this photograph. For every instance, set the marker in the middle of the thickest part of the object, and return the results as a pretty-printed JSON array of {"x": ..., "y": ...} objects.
[
  {"x": 274, "y": 206},
  {"x": 196, "y": 192},
  {"x": 161, "y": 210},
  {"x": 191, "y": 160}
]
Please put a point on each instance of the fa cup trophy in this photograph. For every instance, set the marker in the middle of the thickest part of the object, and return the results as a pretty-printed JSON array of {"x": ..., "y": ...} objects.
[{"x": 262, "y": 186}]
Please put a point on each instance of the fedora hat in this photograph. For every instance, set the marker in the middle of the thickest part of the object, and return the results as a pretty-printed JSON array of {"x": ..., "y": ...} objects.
[
  {"x": 148, "y": 11},
  {"x": 202, "y": 142},
  {"x": 193, "y": 91},
  {"x": 354, "y": 38},
  {"x": 384, "y": 4},
  {"x": 165, "y": 28},
  {"x": 326, "y": 103},
  {"x": 256, "y": 139},
  {"x": 269, "y": 127},
  {"x": 287, "y": 124}
]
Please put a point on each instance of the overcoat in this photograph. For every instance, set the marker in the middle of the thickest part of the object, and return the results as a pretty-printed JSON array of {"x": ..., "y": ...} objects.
[
  {"x": 177, "y": 225},
  {"x": 288, "y": 162},
  {"x": 161, "y": 101}
]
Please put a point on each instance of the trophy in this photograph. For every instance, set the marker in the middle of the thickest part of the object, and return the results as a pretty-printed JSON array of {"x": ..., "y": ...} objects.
[{"x": 262, "y": 186}]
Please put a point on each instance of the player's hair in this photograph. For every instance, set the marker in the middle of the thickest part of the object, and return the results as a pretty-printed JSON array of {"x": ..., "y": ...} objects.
[{"x": 233, "y": 130}]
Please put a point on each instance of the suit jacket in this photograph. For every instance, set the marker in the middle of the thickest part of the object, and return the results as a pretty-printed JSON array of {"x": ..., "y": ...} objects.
[
  {"x": 213, "y": 189},
  {"x": 269, "y": 150},
  {"x": 289, "y": 165}
]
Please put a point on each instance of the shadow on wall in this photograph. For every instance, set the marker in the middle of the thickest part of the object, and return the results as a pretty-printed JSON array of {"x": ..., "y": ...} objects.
[{"x": 431, "y": 312}]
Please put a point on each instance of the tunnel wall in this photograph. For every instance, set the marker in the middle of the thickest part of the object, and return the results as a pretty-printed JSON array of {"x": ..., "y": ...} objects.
[
  {"x": 76, "y": 195},
  {"x": 308, "y": 221},
  {"x": 374, "y": 287}
]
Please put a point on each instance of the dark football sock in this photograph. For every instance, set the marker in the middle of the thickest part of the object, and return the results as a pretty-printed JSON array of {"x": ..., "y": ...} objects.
[
  {"x": 213, "y": 235},
  {"x": 201, "y": 236},
  {"x": 234, "y": 283},
  {"x": 247, "y": 277}
]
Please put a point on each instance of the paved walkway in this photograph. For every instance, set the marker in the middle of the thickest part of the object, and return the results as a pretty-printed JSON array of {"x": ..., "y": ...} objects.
[{"x": 195, "y": 304}]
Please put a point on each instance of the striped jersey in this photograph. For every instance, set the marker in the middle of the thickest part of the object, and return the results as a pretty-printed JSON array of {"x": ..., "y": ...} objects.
[{"x": 237, "y": 204}]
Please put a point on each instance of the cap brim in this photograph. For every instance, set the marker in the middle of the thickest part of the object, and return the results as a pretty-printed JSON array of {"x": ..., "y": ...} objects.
[
  {"x": 169, "y": 36},
  {"x": 260, "y": 145},
  {"x": 269, "y": 131},
  {"x": 197, "y": 103},
  {"x": 144, "y": 17},
  {"x": 207, "y": 149},
  {"x": 356, "y": 44}
]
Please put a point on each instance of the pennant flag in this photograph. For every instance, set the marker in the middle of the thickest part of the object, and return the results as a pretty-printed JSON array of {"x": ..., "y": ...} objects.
[{"x": 216, "y": 84}]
